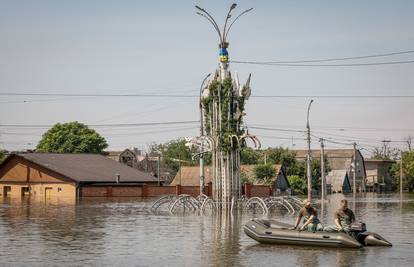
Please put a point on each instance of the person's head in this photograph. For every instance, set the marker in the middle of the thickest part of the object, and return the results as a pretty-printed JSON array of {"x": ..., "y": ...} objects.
[
  {"x": 306, "y": 203},
  {"x": 344, "y": 204}
]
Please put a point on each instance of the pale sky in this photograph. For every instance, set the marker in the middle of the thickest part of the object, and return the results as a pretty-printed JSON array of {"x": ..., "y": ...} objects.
[{"x": 122, "y": 47}]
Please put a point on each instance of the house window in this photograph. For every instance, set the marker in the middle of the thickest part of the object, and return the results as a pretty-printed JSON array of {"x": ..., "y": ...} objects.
[
  {"x": 25, "y": 191},
  {"x": 6, "y": 190},
  {"x": 59, "y": 189}
]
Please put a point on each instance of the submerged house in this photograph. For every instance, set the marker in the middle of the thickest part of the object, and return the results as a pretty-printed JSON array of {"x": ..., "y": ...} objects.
[
  {"x": 141, "y": 161},
  {"x": 338, "y": 182},
  {"x": 69, "y": 175},
  {"x": 340, "y": 160},
  {"x": 379, "y": 177},
  {"x": 190, "y": 176}
]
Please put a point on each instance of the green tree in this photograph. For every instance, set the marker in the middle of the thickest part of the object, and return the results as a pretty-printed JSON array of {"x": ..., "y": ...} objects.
[
  {"x": 250, "y": 156},
  {"x": 408, "y": 171},
  {"x": 71, "y": 137},
  {"x": 298, "y": 184},
  {"x": 173, "y": 152},
  {"x": 264, "y": 173},
  {"x": 2, "y": 155}
]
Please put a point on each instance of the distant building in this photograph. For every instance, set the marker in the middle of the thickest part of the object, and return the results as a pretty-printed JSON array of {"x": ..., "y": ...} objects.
[
  {"x": 379, "y": 177},
  {"x": 190, "y": 176},
  {"x": 338, "y": 182},
  {"x": 69, "y": 175},
  {"x": 136, "y": 159},
  {"x": 340, "y": 159}
]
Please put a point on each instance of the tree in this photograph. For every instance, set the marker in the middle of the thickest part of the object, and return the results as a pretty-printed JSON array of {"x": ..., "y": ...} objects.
[
  {"x": 298, "y": 184},
  {"x": 409, "y": 141},
  {"x": 71, "y": 137},
  {"x": 2, "y": 155},
  {"x": 173, "y": 152},
  {"x": 408, "y": 171},
  {"x": 385, "y": 152},
  {"x": 286, "y": 158},
  {"x": 250, "y": 156},
  {"x": 264, "y": 173}
]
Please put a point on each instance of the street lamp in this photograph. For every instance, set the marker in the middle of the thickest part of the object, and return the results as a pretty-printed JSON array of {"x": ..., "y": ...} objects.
[
  {"x": 201, "y": 135},
  {"x": 308, "y": 158},
  {"x": 222, "y": 34}
]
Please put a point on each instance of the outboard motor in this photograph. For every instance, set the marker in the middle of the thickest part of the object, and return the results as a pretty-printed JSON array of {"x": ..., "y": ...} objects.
[{"x": 359, "y": 232}]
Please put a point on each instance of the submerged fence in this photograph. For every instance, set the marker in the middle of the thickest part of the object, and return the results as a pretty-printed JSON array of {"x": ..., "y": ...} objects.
[{"x": 249, "y": 190}]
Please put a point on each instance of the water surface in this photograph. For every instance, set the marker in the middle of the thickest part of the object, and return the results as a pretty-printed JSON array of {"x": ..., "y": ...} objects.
[{"x": 121, "y": 232}]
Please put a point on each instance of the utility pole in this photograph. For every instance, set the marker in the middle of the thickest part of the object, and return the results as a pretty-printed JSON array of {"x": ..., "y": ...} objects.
[
  {"x": 323, "y": 181},
  {"x": 354, "y": 171},
  {"x": 158, "y": 169},
  {"x": 308, "y": 157},
  {"x": 401, "y": 172},
  {"x": 179, "y": 166},
  {"x": 202, "y": 135}
]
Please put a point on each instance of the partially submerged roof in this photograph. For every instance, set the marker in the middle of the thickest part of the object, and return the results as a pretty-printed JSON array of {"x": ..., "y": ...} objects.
[
  {"x": 338, "y": 159},
  {"x": 85, "y": 167},
  {"x": 338, "y": 179}
]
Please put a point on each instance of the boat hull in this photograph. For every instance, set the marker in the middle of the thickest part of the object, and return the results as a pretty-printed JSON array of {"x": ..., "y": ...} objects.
[{"x": 273, "y": 232}]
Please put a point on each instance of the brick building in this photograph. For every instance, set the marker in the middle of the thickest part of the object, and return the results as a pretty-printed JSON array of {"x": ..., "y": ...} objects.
[{"x": 69, "y": 175}]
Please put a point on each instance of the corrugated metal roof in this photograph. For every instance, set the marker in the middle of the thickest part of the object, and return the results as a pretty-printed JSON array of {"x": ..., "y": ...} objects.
[{"x": 87, "y": 167}]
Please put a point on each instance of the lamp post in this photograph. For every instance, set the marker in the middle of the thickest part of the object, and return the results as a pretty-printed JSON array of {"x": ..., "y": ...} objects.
[
  {"x": 201, "y": 135},
  {"x": 308, "y": 158}
]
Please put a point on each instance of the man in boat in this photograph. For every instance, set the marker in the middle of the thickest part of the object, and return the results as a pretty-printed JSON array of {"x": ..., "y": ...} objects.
[
  {"x": 310, "y": 218},
  {"x": 344, "y": 217}
]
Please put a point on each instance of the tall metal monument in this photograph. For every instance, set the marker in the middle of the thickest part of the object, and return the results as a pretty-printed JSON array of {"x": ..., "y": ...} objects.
[{"x": 222, "y": 103}]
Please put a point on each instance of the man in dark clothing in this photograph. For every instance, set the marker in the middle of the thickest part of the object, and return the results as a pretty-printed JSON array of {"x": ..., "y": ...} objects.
[
  {"x": 310, "y": 218},
  {"x": 344, "y": 217}
]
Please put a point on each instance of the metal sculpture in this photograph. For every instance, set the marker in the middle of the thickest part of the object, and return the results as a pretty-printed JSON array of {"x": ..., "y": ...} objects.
[{"x": 222, "y": 104}]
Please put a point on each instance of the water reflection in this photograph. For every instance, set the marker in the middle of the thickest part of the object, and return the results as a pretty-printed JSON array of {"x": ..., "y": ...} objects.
[
  {"x": 121, "y": 232},
  {"x": 226, "y": 239}
]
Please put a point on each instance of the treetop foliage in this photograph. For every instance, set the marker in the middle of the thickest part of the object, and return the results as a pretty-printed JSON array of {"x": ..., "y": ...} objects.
[{"x": 71, "y": 137}]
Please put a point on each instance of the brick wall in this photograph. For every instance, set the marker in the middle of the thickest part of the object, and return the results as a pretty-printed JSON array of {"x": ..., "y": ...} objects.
[
  {"x": 190, "y": 190},
  {"x": 126, "y": 191},
  {"x": 257, "y": 190},
  {"x": 154, "y": 191},
  {"x": 141, "y": 191},
  {"x": 94, "y": 191}
]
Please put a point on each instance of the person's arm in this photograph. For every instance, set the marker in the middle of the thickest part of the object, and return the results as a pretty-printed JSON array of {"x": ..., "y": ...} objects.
[
  {"x": 353, "y": 217},
  {"x": 338, "y": 222},
  {"x": 297, "y": 221},
  {"x": 307, "y": 222}
]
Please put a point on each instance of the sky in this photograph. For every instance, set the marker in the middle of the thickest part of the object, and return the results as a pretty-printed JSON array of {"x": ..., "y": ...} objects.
[{"x": 163, "y": 47}]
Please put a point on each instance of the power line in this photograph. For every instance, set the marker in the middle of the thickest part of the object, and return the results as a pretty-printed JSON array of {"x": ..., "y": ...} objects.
[
  {"x": 187, "y": 96},
  {"x": 101, "y": 125},
  {"x": 326, "y": 65},
  {"x": 334, "y": 59},
  {"x": 275, "y": 129}
]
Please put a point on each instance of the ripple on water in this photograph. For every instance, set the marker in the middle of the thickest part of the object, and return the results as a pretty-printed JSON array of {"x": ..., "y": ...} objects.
[{"x": 121, "y": 232}]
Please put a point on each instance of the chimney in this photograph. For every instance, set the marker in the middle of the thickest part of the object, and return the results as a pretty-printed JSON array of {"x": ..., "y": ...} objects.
[{"x": 117, "y": 178}]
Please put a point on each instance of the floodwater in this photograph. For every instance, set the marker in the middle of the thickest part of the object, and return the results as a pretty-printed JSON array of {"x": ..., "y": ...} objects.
[{"x": 121, "y": 232}]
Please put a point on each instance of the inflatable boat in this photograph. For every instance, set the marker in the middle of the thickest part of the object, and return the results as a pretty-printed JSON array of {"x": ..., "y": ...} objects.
[{"x": 274, "y": 232}]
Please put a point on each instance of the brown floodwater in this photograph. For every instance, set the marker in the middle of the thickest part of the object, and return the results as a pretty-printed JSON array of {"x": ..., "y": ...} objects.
[{"x": 122, "y": 232}]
